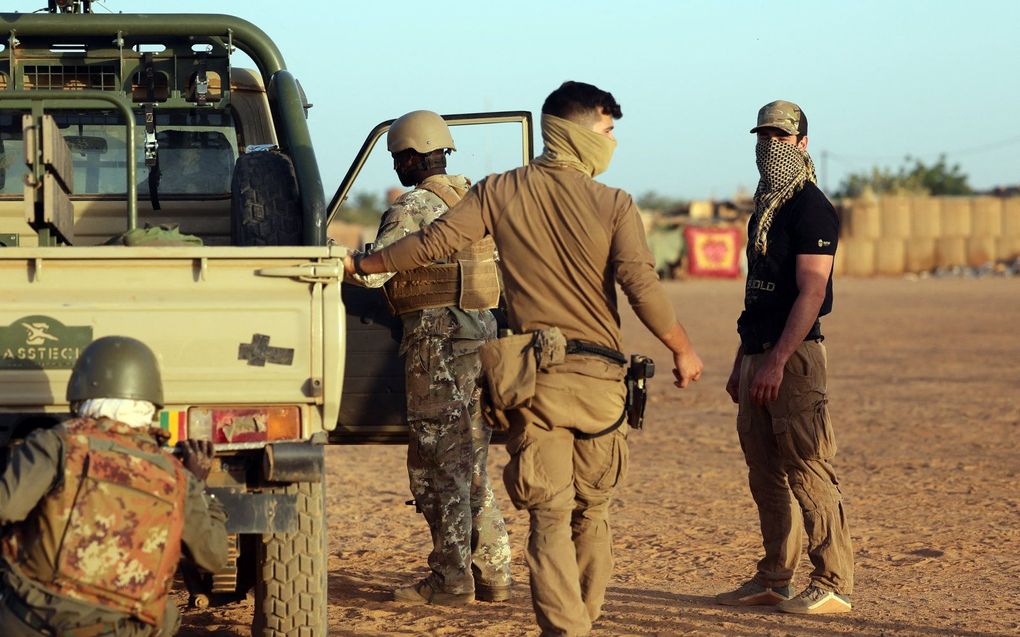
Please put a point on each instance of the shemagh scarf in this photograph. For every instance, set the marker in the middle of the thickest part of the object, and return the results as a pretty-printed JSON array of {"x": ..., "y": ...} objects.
[
  {"x": 136, "y": 413},
  {"x": 784, "y": 170},
  {"x": 570, "y": 144}
]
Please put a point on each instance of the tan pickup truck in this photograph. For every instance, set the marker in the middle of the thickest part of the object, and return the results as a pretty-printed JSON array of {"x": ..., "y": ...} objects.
[{"x": 110, "y": 123}]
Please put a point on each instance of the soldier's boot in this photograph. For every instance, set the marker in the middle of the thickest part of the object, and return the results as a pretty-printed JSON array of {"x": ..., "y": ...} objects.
[
  {"x": 423, "y": 593},
  {"x": 752, "y": 593},
  {"x": 816, "y": 601},
  {"x": 486, "y": 592}
]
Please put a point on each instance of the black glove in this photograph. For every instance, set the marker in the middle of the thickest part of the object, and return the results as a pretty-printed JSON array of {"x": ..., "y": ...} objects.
[{"x": 197, "y": 457}]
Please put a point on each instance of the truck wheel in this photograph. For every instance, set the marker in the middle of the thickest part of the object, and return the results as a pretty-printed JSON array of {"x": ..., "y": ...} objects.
[
  {"x": 290, "y": 586},
  {"x": 265, "y": 207}
]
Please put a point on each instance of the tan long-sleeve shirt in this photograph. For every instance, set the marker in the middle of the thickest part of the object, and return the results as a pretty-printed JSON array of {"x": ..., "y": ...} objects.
[{"x": 565, "y": 241}]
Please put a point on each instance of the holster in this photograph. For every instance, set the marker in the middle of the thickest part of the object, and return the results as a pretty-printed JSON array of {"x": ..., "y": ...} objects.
[
  {"x": 510, "y": 367},
  {"x": 641, "y": 368}
]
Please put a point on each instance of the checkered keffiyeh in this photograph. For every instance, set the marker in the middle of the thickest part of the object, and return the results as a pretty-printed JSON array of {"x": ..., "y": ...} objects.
[{"x": 784, "y": 170}]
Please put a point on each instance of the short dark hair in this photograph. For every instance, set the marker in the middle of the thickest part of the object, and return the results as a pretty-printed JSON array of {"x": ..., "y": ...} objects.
[{"x": 580, "y": 102}]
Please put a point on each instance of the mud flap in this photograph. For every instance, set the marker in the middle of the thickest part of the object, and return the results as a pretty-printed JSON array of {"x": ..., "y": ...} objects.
[{"x": 258, "y": 512}]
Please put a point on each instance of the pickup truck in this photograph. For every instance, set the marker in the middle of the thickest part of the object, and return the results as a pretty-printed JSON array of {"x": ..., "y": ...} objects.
[{"x": 112, "y": 122}]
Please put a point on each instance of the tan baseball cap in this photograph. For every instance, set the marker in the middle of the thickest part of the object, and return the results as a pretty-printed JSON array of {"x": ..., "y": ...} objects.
[{"x": 786, "y": 116}]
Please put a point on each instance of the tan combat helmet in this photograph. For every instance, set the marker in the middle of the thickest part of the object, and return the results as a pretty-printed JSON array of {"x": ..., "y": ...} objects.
[
  {"x": 116, "y": 367},
  {"x": 423, "y": 131}
]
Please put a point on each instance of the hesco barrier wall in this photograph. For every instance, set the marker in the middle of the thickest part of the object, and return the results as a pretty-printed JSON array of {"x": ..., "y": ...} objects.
[{"x": 898, "y": 234}]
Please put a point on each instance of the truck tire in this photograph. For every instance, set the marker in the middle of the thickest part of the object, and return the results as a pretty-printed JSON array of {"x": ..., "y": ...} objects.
[
  {"x": 290, "y": 585},
  {"x": 265, "y": 206}
]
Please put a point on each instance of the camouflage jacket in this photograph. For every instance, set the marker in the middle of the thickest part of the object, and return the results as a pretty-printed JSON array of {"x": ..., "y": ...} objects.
[
  {"x": 411, "y": 212},
  {"x": 36, "y": 468}
]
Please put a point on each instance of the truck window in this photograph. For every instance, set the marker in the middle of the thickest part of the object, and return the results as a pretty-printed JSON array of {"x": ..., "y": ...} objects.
[{"x": 197, "y": 151}]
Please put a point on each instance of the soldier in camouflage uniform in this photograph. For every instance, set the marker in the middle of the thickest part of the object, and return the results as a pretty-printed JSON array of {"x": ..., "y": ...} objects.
[
  {"x": 98, "y": 513},
  {"x": 444, "y": 309}
]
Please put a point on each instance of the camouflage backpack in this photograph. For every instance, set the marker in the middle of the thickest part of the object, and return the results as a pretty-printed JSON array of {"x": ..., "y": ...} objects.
[{"x": 109, "y": 533}]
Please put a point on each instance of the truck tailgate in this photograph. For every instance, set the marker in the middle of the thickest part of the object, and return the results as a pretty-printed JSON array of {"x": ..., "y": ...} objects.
[{"x": 229, "y": 325}]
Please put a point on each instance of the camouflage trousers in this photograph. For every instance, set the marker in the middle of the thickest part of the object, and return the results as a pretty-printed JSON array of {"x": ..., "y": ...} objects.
[{"x": 446, "y": 465}]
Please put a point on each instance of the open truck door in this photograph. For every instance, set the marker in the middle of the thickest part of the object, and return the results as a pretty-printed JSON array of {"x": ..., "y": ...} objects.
[{"x": 373, "y": 406}]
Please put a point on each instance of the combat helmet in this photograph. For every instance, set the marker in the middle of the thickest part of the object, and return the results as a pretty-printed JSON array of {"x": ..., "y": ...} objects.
[
  {"x": 422, "y": 131},
  {"x": 116, "y": 367}
]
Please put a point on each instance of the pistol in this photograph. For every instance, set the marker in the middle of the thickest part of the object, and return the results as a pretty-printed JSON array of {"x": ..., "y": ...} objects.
[{"x": 641, "y": 369}]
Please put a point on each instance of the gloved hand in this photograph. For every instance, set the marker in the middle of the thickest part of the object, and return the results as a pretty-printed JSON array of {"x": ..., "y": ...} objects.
[{"x": 197, "y": 455}]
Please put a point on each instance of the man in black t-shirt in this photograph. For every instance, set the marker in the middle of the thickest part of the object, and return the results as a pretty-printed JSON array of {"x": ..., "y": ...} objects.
[{"x": 779, "y": 377}]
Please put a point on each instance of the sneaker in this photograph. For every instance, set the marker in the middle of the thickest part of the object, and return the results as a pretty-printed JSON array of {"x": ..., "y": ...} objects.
[
  {"x": 423, "y": 593},
  {"x": 816, "y": 601},
  {"x": 492, "y": 593},
  {"x": 754, "y": 594}
]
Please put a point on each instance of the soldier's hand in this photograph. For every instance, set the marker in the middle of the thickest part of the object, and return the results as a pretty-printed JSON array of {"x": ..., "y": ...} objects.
[
  {"x": 197, "y": 455},
  {"x": 766, "y": 382},
  {"x": 687, "y": 368},
  {"x": 349, "y": 263}
]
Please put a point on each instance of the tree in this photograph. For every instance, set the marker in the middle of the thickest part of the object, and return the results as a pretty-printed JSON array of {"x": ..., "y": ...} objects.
[
  {"x": 363, "y": 208},
  {"x": 914, "y": 177},
  {"x": 652, "y": 200}
]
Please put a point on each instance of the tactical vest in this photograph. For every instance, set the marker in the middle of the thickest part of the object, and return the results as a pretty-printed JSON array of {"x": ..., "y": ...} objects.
[
  {"x": 470, "y": 280},
  {"x": 109, "y": 532}
]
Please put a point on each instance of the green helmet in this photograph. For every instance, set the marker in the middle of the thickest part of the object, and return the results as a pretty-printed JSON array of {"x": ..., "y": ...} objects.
[{"x": 116, "y": 367}]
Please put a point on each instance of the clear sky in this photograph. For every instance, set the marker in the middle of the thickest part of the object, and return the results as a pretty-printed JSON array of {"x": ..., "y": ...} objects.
[{"x": 879, "y": 80}]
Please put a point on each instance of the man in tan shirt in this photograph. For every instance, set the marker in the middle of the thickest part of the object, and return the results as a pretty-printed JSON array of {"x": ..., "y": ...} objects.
[{"x": 565, "y": 241}]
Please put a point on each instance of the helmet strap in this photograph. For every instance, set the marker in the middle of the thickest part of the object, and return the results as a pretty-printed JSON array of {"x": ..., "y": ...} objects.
[
  {"x": 432, "y": 161},
  {"x": 415, "y": 167}
]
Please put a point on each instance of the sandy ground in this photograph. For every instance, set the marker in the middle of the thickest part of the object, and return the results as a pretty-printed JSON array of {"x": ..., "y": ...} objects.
[{"x": 925, "y": 394}]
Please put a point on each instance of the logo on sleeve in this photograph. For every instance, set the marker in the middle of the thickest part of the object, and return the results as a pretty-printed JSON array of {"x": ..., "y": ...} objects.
[{"x": 822, "y": 243}]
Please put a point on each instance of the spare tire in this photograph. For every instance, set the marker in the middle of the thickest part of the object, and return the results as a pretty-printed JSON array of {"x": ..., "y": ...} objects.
[{"x": 265, "y": 207}]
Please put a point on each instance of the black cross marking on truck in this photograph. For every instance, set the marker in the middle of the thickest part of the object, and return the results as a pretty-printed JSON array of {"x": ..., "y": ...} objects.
[{"x": 258, "y": 352}]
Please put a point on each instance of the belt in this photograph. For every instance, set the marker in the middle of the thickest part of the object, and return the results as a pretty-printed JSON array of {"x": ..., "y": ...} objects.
[
  {"x": 31, "y": 618},
  {"x": 753, "y": 346},
  {"x": 575, "y": 346}
]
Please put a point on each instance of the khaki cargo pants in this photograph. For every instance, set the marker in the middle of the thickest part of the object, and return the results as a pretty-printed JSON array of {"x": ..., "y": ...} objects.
[
  {"x": 788, "y": 445},
  {"x": 566, "y": 484}
]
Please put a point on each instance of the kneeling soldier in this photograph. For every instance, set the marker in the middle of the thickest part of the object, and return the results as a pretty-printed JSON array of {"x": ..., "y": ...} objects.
[{"x": 98, "y": 514}]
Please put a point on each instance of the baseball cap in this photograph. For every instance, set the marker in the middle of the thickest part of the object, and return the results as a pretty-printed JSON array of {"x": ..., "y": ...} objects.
[{"x": 786, "y": 116}]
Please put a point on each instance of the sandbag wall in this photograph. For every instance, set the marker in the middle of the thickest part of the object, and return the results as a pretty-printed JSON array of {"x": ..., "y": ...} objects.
[{"x": 892, "y": 235}]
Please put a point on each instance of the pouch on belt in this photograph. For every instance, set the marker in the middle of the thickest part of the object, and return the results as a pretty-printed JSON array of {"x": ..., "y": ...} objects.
[{"x": 510, "y": 366}]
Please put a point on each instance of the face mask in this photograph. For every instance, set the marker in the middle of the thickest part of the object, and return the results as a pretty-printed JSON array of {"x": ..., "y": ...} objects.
[
  {"x": 574, "y": 145},
  {"x": 601, "y": 155},
  {"x": 784, "y": 169},
  {"x": 778, "y": 163}
]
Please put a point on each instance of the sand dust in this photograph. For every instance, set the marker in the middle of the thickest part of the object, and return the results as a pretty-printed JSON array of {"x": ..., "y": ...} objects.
[{"x": 925, "y": 396}]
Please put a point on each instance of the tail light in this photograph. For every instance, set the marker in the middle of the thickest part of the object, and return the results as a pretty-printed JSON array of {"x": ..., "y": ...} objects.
[{"x": 224, "y": 425}]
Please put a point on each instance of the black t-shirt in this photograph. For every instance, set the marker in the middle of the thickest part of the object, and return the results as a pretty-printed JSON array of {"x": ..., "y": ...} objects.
[{"x": 807, "y": 224}]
